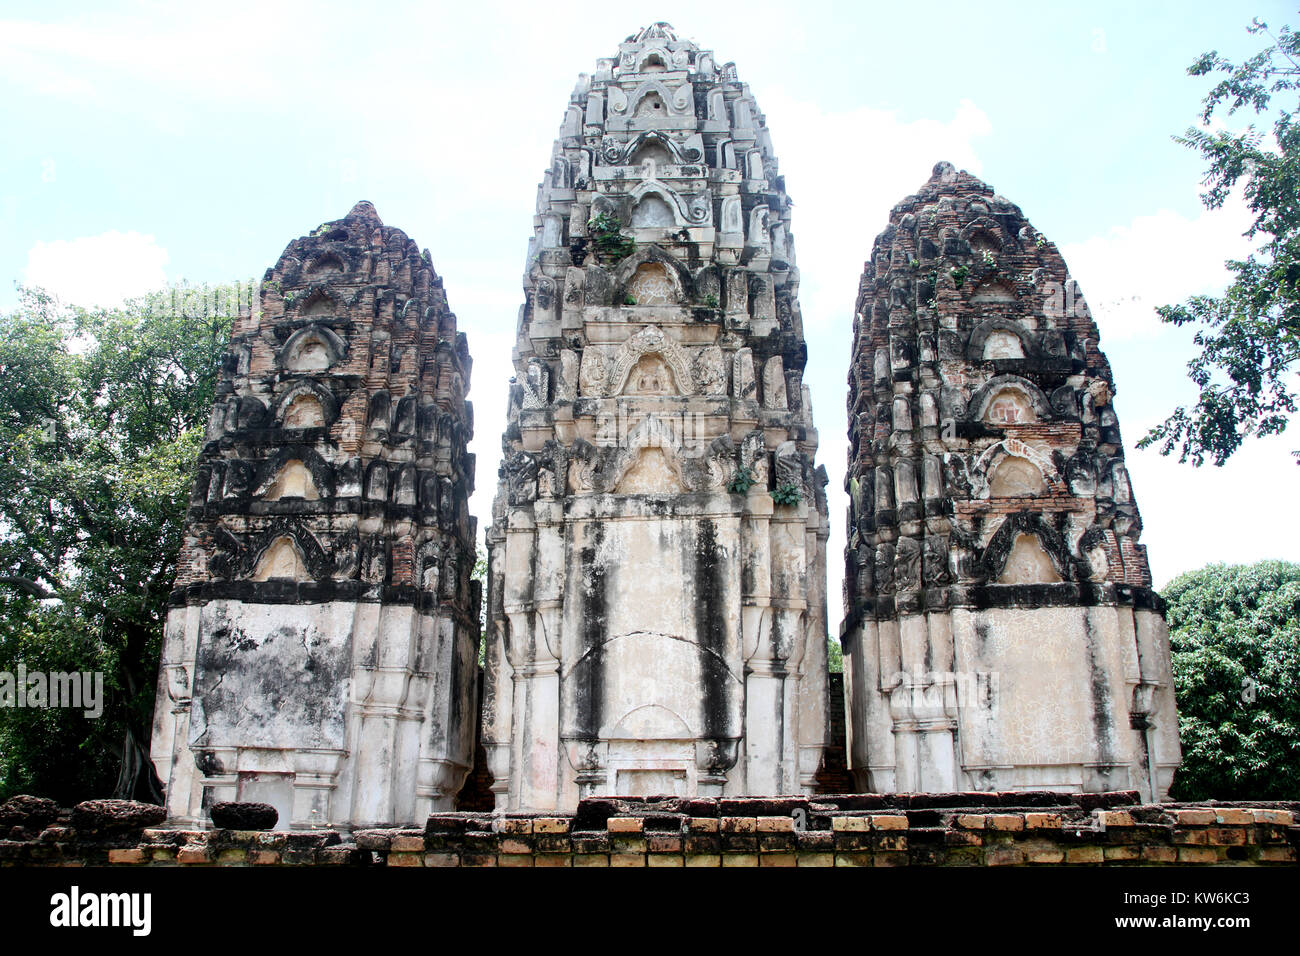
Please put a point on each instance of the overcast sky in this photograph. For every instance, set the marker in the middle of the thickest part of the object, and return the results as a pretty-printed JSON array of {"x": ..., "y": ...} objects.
[{"x": 146, "y": 144}]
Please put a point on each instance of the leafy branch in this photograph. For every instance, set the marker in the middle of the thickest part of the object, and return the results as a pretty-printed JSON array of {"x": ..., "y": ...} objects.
[{"x": 1250, "y": 336}]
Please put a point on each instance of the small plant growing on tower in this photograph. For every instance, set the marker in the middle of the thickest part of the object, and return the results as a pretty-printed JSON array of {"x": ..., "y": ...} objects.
[
  {"x": 629, "y": 300},
  {"x": 710, "y": 301},
  {"x": 959, "y": 275},
  {"x": 787, "y": 494},
  {"x": 607, "y": 236},
  {"x": 742, "y": 481}
]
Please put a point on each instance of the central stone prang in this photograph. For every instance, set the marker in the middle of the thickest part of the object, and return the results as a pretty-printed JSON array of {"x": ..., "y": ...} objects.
[{"x": 657, "y": 581}]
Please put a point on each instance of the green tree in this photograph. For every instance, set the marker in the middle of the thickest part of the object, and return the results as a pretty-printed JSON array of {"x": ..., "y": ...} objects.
[
  {"x": 1249, "y": 336},
  {"x": 834, "y": 655},
  {"x": 1235, "y": 640},
  {"x": 101, "y": 419}
]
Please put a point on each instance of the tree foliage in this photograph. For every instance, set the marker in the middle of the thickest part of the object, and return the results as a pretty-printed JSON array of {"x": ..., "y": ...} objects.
[
  {"x": 1235, "y": 641},
  {"x": 834, "y": 655},
  {"x": 1249, "y": 336},
  {"x": 101, "y": 417}
]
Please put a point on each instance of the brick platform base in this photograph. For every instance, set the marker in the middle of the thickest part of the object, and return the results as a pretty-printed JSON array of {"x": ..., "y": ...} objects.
[{"x": 967, "y": 829}]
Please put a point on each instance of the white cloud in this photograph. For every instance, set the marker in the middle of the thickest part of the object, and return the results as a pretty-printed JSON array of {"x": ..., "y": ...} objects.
[
  {"x": 97, "y": 270},
  {"x": 1156, "y": 259}
]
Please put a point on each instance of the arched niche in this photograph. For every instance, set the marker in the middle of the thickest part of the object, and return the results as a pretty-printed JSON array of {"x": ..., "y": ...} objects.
[
  {"x": 1009, "y": 406},
  {"x": 651, "y": 149},
  {"x": 651, "y": 462},
  {"x": 1002, "y": 344},
  {"x": 1010, "y": 340},
  {"x": 652, "y": 284},
  {"x": 326, "y": 264},
  {"x": 311, "y": 349},
  {"x": 304, "y": 411},
  {"x": 319, "y": 304},
  {"x": 650, "y": 106},
  {"x": 652, "y": 62},
  {"x": 310, "y": 356},
  {"x": 1016, "y": 477},
  {"x": 1026, "y": 549},
  {"x": 982, "y": 240},
  {"x": 650, "y": 473},
  {"x": 983, "y": 235},
  {"x": 282, "y": 561},
  {"x": 294, "y": 480},
  {"x": 677, "y": 274},
  {"x": 1009, "y": 400},
  {"x": 647, "y": 145},
  {"x": 1028, "y": 563},
  {"x": 651, "y": 375},
  {"x": 295, "y": 471},
  {"x": 650, "y": 341},
  {"x": 652, "y": 212},
  {"x": 652, "y": 722}
]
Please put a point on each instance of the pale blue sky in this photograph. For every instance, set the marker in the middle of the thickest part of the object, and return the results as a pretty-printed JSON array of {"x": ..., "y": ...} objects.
[{"x": 196, "y": 141}]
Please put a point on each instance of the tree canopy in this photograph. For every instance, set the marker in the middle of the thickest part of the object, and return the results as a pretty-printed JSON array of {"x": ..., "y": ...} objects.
[
  {"x": 102, "y": 414},
  {"x": 1235, "y": 641},
  {"x": 1250, "y": 336}
]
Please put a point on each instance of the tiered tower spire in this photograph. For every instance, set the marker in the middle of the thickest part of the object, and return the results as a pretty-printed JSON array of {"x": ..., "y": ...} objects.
[
  {"x": 320, "y": 650},
  {"x": 1001, "y": 629},
  {"x": 657, "y": 549}
]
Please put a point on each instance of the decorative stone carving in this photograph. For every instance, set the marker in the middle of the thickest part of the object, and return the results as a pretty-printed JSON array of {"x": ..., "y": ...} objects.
[
  {"x": 651, "y": 284},
  {"x": 650, "y": 341},
  {"x": 536, "y": 385},
  {"x": 774, "y": 389},
  {"x": 789, "y": 466},
  {"x": 566, "y": 389},
  {"x": 593, "y": 375},
  {"x": 582, "y": 462},
  {"x": 711, "y": 371},
  {"x": 742, "y": 381},
  {"x": 521, "y": 478},
  {"x": 721, "y": 462}
]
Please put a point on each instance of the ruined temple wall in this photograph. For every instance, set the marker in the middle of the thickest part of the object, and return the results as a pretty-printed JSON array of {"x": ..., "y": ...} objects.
[
  {"x": 656, "y": 620},
  {"x": 320, "y": 650},
  {"x": 1001, "y": 631}
]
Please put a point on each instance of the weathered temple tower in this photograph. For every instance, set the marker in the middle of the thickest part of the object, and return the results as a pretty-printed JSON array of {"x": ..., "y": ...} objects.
[
  {"x": 320, "y": 649},
  {"x": 657, "y": 550},
  {"x": 1001, "y": 628}
]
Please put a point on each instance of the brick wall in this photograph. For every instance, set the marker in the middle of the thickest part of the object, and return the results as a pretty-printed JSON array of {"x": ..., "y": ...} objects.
[{"x": 971, "y": 829}]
